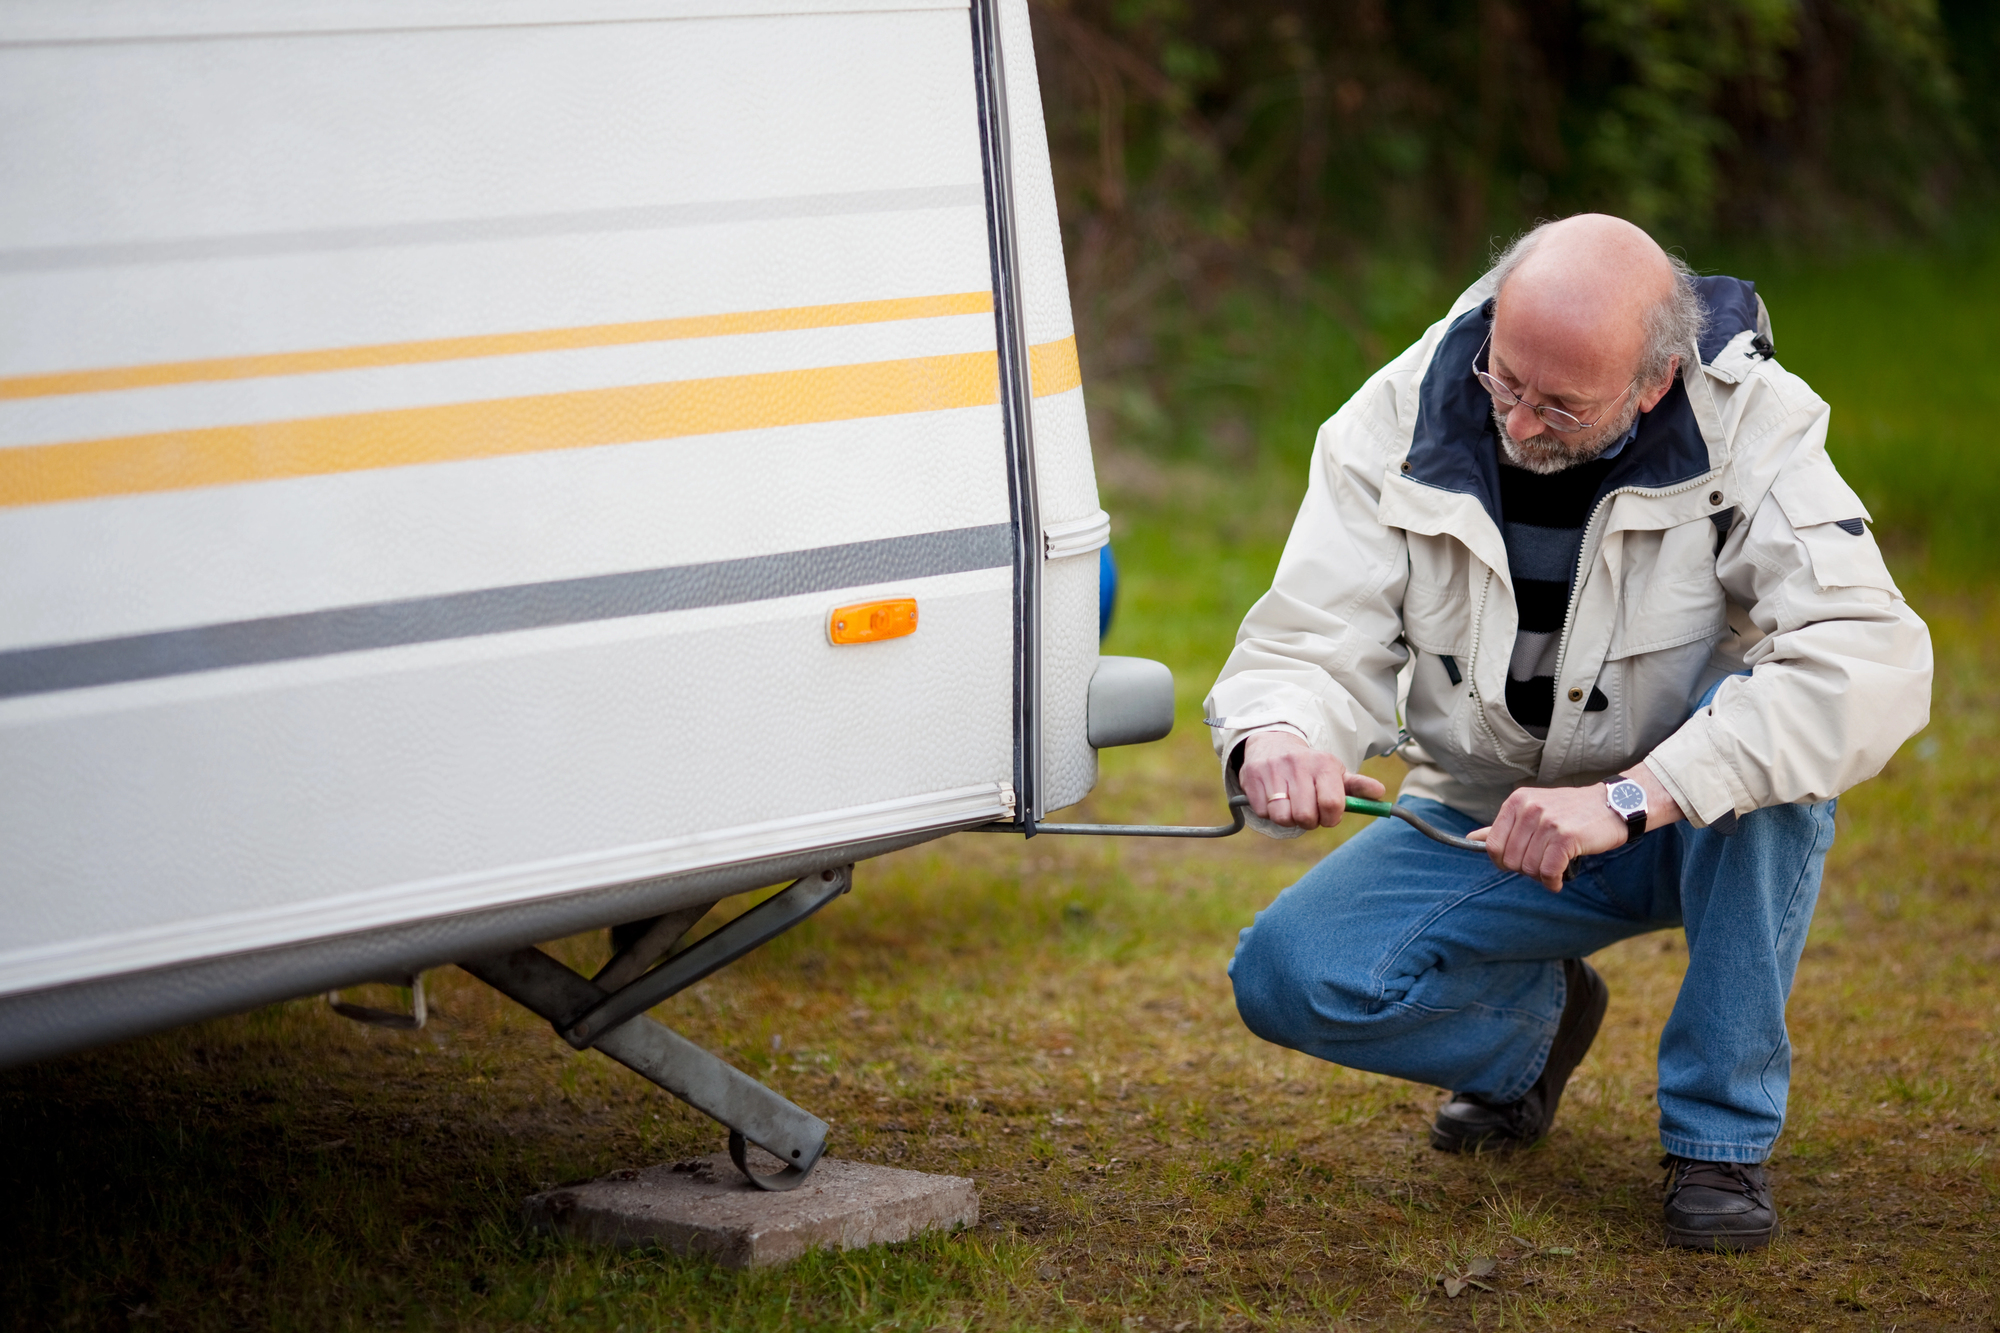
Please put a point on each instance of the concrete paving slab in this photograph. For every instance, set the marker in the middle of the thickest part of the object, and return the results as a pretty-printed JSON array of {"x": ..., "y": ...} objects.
[{"x": 705, "y": 1207}]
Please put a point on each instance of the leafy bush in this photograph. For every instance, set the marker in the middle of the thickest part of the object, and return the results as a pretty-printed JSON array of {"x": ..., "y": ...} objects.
[
  {"x": 1190, "y": 134},
  {"x": 1266, "y": 198}
]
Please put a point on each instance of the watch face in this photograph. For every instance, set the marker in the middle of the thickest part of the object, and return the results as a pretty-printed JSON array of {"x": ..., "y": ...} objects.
[{"x": 1626, "y": 797}]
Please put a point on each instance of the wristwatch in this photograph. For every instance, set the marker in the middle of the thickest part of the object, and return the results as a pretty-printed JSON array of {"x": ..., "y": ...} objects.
[{"x": 1628, "y": 799}]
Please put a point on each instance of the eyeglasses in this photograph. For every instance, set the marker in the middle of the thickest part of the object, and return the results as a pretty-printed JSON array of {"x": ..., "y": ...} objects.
[{"x": 1552, "y": 417}]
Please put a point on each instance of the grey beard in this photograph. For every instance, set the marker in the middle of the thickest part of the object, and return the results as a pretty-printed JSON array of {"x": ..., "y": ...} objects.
[{"x": 1548, "y": 453}]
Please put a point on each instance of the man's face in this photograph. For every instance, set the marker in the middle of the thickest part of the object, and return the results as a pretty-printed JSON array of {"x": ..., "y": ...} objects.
[{"x": 1563, "y": 360}]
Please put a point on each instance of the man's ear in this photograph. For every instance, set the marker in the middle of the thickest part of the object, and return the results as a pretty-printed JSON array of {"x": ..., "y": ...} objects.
[{"x": 1651, "y": 398}]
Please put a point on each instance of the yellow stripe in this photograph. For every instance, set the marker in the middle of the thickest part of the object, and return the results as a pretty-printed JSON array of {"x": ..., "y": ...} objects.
[
  {"x": 496, "y": 344},
  {"x": 224, "y": 455},
  {"x": 403, "y": 437},
  {"x": 1053, "y": 367}
]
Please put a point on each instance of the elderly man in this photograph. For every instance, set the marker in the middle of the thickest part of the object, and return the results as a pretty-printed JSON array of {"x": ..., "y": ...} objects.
[{"x": 1584, "y": 539}]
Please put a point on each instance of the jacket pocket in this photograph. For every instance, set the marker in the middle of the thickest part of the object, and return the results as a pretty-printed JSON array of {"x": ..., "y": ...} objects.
[
  {"x": 1672, "y": 610},
  {"x": 1843, "y": 557},
  {"x": 1437, "y": 620},
  {"x": 1649, "y": 696},
  {"x": 1832, "y": 525},
  {"x": 1670, "y": 594},
  {"x": 1437, "y": 601},
  {"x": 1445, "y": 720}
]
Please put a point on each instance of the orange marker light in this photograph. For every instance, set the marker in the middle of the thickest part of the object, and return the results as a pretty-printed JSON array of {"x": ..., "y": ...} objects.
[{"x": 867, "y": 622}]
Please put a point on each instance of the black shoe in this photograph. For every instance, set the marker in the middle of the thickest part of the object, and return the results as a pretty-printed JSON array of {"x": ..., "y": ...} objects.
[
  {"x": 1718, "y": 1205},
  {"x": 1470, "y": 1123}
]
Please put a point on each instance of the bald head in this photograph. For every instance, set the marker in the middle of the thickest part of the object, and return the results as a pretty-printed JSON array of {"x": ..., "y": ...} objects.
[
  {"x": 1578, "y": 299},
  {"x": 1591, "y": 316}
]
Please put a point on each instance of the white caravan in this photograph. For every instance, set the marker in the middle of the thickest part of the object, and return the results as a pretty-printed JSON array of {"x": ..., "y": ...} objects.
[{"x": 477, "y": 470}]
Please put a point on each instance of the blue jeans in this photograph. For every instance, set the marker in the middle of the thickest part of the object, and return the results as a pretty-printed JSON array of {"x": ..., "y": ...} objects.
[{"x": 1401, "y": 956}]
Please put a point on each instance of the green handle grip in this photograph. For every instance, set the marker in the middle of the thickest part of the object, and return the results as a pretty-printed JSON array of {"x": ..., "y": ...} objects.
[{"x": 1357, "y": 805}]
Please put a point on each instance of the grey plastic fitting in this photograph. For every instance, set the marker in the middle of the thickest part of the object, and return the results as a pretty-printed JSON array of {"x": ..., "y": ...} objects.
[{"x": 1131, "y": 702}]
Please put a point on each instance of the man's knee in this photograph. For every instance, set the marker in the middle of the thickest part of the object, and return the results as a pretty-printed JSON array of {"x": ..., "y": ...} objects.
[
  {"x": 1288, "y": 983},
  {"x": 1266, "y": 988}
]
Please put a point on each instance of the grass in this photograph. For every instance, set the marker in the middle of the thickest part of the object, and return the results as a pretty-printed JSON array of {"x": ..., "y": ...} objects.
[
  {"x": 1053, "y": 1019},
  {"x": 1906, "y": 346}
]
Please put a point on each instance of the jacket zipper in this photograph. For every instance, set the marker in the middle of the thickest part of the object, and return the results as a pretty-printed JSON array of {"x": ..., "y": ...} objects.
[
  {"x": 1472, "y": 663},
  {"x": 1584, "y": 550}
]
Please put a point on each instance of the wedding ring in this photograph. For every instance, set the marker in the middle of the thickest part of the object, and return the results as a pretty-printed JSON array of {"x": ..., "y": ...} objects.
[{"x": 1276, "y": 796}]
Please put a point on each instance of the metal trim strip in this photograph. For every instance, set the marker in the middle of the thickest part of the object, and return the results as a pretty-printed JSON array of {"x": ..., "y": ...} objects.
[
  {"x": 528, "y": 606},
  {"x": 1016, "y": 396}
]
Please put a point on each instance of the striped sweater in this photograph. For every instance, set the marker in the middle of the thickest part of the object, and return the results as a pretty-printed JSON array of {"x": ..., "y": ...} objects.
[{"x": 1543, "y": 521}]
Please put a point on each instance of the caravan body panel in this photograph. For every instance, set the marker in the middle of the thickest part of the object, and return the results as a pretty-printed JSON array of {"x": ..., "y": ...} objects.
[{"x": 433, "y": 438}]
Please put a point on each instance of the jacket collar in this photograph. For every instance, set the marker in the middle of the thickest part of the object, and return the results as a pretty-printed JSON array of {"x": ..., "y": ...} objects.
[
  {"x": 1732, "y": 309},
  {"x": 1455, "y": 448}
]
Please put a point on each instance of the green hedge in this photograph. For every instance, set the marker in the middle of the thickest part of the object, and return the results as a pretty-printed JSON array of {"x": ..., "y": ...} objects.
[
  {"x": 1263, "y": 199},
  {"x": 1196, "y": 134}
]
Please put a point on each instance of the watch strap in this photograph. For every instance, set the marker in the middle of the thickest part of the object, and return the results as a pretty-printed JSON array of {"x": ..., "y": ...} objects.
[{"x": 1635, "y": 826}]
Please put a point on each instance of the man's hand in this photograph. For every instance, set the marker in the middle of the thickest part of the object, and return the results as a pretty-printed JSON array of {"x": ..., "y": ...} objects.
[
  {"x": 1540, "y": 830},
  {"x": 1289, "y": 782}
]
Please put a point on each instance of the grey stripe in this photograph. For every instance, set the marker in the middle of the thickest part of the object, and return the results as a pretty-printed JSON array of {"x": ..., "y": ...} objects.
[
  {"x": 1542, "y": 553},
  {"x": 465, "y": 615},
  {"x": 469, "y": 230},
  {"x": 1534, "y": 655}
]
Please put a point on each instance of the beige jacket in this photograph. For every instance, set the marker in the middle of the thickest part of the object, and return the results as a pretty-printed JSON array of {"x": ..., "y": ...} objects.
[{"x": 1724, "y": 542}]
